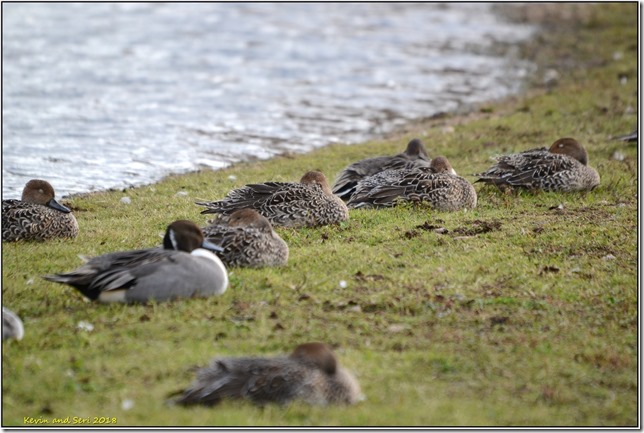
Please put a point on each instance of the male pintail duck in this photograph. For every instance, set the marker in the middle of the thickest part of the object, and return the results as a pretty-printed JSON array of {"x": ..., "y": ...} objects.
[
  {"x": 11, "y": 325},
  {"x": 437, "y": 185},
  {"x": 563, "y": 167},
  {"x": 628, "y": 137},
  {"x": 414, "y": 156},
  {"x": 306, "y": 204},
  {"x": 38, "y": 216},
  {"x": 247, "y": 239},
  {"x": 181, "y": 269},
  {"x": 310, "y": 374}
]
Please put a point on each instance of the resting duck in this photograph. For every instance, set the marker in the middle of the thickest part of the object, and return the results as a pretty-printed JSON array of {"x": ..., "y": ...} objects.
[
  {"x": 563, "y": 167},
  {"x": 311, "y": 373},
  {"x": 183, "y": 268},
  {"x": 247, "y": 239},
  {"x": 437, "y": 185},
  {"x": 414, "y": 156},
  {"x": 306, "y": 204},
  {"x": 37, "y": 216}
]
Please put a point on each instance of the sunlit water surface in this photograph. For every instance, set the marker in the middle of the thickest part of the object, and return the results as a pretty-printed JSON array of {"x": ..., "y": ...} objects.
[{"x": 99, "y": 96}]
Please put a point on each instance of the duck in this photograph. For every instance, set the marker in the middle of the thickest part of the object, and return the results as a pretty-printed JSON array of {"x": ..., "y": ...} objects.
[
  {"x": 37, "y": 216},
  {"x": 308, "y": 203},
  {"x": 437, "y": 185},
  {"x": 414, "y": 155},
  {"x": 563, "y": 167},
  {"x": 628, "y": 137},
  {"x": 311, "y": 374},
  {"x": 247, "y": 239},
  {"x": 184, "y": 267},
  {"x": 11, "y": 325}
]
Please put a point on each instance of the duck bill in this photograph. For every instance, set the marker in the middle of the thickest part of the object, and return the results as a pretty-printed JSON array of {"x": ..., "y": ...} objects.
[
  {"x": 55, "y": 205},
  {"x": 212, "y": 247}
]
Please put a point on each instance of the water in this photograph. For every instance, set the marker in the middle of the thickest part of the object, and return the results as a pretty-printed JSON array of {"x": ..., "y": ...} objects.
[{"x": 97, "y": 96}]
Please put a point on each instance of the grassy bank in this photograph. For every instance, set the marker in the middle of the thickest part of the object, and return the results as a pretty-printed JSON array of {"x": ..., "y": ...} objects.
[{"x": 523, "y": 313}]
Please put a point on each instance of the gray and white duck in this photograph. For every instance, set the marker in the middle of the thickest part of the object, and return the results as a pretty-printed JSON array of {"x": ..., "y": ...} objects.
[{"x": 184, "y": 268}]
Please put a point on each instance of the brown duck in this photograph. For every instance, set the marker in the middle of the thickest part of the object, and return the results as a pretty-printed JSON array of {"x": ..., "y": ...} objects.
[
  {"x": 308, "y": 203},
  {"x": 311, "y": 373},
  {"x": 37, "y": 216}
]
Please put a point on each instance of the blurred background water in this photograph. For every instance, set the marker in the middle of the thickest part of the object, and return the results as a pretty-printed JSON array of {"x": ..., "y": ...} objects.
[{"x": 99, "y": 96}]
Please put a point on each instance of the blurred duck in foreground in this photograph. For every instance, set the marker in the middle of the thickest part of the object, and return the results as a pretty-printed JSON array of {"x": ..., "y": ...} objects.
[
  {"x": 37, "y": 216},
  {"x": 11, "y": 325},
  {"x": 311, "y": 373},
  {"x": 306, "y": 204},
  {"x": 247, "y": 239},
  {"x": 563, "y": 167},
  {"x": 183, "y": 268},
  {"x": 437, "y": 185},
  {"x": 414, "y": 156}
]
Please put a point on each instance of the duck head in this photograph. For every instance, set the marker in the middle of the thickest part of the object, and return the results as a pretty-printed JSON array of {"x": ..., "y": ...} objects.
[
  {"x": 41, "y": 192},
  {"x": 570, "y": 147},
  {"x": 184, "y": 235},
  {"x": 440, "y": 164}
]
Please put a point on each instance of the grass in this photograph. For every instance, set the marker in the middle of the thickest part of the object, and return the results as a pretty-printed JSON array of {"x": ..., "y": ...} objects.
[{"x": 524, "y": 312}]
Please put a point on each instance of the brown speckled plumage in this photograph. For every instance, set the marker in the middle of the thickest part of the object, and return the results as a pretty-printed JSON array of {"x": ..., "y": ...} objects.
[
  {"x": 563, "y": 167},
  {"x": 248, "y": 240},
  {"x": 37, "y": 216},
  {"x": 437, "y": 185},
  {"x": 414, "y": 155},
  {"x": 310, "y": 374},
  {"x": 306, "y": 204}
]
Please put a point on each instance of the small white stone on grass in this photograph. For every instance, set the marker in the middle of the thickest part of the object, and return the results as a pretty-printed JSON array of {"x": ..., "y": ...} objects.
[
  {"x": 85, "y": 326},
  {"x": 618, "y": 156},
  {"x": 127, "y": 404},
  {"x": 181, "y": 194},
  {"x": 343, "y": 284},
  {"x": 396, "y": 327},
  {"x": 126, "y": 200}
]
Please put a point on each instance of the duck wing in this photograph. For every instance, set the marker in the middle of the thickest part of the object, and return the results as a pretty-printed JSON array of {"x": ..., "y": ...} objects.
[
  {"x": 348, "y": 179},
  {"x": 113, "y": 271},
  {"x": 259, "y": 380},
  {"x": 250, "y": 196}
]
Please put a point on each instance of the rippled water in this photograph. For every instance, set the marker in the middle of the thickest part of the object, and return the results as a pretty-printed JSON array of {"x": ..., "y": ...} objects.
[{"x": 110, "y": 95}]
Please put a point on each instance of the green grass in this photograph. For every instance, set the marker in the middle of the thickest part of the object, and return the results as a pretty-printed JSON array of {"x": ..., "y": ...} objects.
[{"x": 532, "y": 322}]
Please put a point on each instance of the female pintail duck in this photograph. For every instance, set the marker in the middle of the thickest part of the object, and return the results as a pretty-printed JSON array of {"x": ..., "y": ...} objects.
[
  {"x": 247, "y": 239},
  {"x": 181, "y": 269},
  {"x": 11, "y": 325},
  {"x": 414, "y": 156},
  {"x": 563, "y": 167},
  {"x": 437, "y": 185},
  {"x": 310, "y": 374},
  {"x": 38, "y": 216},
  {"x": 306, "y": 204}
]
